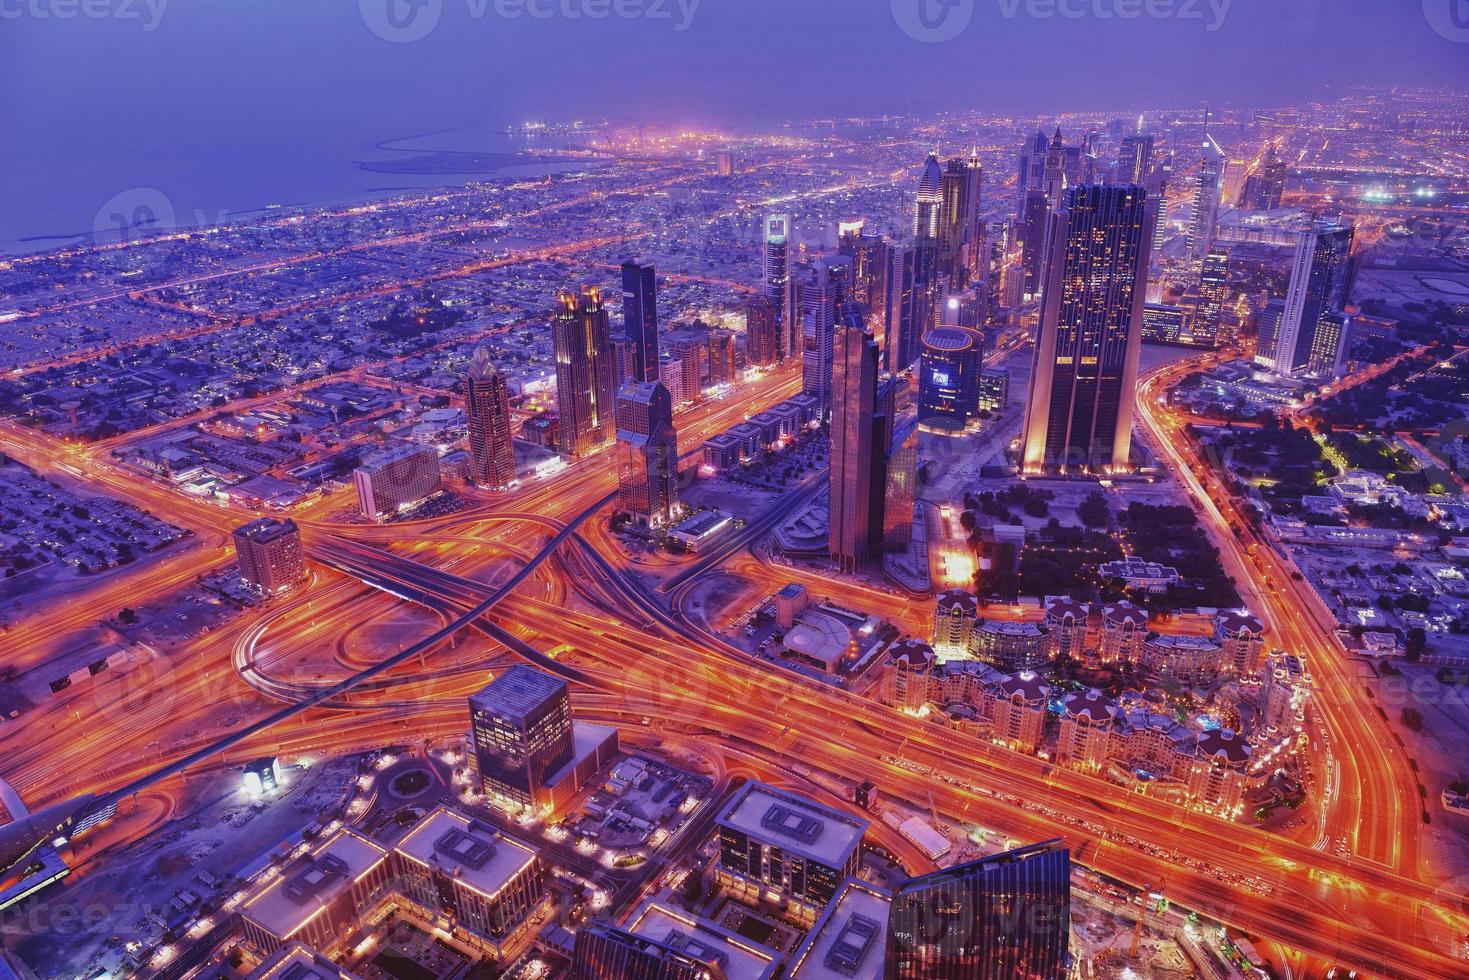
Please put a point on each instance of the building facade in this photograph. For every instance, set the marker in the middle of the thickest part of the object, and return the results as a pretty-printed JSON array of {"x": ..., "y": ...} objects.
[
  {"x": 487, "y": 414},
  {"x": 585, "y": 394}
]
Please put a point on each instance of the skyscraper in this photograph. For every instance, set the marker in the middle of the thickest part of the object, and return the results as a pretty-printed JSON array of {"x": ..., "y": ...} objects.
[
  {"x": 958, "y": 232},
  {"x": 1267, "y": 342},
  {"x": 1032, "y": 170},
  {"x": 640, "y": 318},
  {"x": 948, "y": 377},
  {"x": 1328, "y": 345},
  {"x": 854, "y": 391},
  {"x": 1208, "y": 190},
  {"x": 1005, "y": 917},
  {"x": 909, "y": 309},
  {"x": 776, "y": 276},
  {"x": 584, "y": 374},
  {"x": 1135, "y": 158},
  {"x": 487, "y": 412},
  {"x": 821, "y": 298},
  {"x": 762, "y": 331},
  {"x": 521, "y": 726},
  {"x": 1034, "y": 226},
  {"x": 268, "y": 554},
  {"x": 1208, "y": 318},
  {"x": 647, "y": 454},
  {"x": 928, "y": 207},
  {"x": 722, "y": 368},
  {"x": 1081, "y": 404},
  {"x": 1318, "y": 284},
  {"x": 870, "y": 266},
  {"x": 1265, "y": 187},
  {"x": 396, "y": 478}
]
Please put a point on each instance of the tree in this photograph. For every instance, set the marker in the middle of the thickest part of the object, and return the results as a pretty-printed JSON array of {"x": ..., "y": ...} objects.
[
  {"x": 127, "y": 616},
  {"x": 1094, "y": 511},
  {"x": 1417, "y": 641}
]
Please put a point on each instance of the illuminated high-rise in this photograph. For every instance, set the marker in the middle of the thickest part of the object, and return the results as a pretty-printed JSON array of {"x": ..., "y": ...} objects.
[
  {"x": 1208, "y": 318},
  {"x": 948, "y": 377},
  {"x": 640, "y": 318},
  {"x": 776, "y": 280},
  {"x": 269, "y": 556},
  {"x": 585, "y": 393},
  {"x": 821, "y": 297},
  {"x": 870, "y": 266},
  {"x": 928, "y": 207},
  {"x": 1208, "y": 191},
  {"x": 1032, "y": 168},
  {"x": 909, "y": 309},
  {"x": 1080, "y": 410},
  {"x": 1004, "y": 917},
  {"x": 959, "y": 234},
  {"x": 521, "y": 728},
  {"x": 647, "y": 454},
  {"x": 1318, "y": 285},
  {"x": 487, "y": 414},
  {"x": 1135, "y": 158},
  {"x": 1265, "y": 187},
  {"x": 854, "y": 407},
  {"x": 762, "y": 331}
]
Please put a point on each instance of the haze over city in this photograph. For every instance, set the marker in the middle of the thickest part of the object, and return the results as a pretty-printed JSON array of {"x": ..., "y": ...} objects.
[{"x": 713, "y": 490}]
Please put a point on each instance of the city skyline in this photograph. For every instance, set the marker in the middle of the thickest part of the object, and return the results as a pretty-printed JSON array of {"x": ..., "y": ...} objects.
[{"x": 692, "y": 491}]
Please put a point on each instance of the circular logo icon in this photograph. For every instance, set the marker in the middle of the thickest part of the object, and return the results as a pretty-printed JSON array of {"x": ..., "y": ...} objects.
[
  {"x": 138, "y": 212},
  {"x": 933, "y": 21},
  {"x": 1448, "y": 18},
  {"x": 401, "y": 21}
]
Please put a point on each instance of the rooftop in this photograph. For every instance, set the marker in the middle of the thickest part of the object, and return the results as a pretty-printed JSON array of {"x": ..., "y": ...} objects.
[
  {"x": 847, "y": 941},
  {"x": 297, "y": 961},
  {"x": 800, "y": 826},
  {"x": 738, "y": 958},
  {"x": 310, "y": 884},
  {"x": 466, "y": 850},
  {"x": 518, "y": 692}
]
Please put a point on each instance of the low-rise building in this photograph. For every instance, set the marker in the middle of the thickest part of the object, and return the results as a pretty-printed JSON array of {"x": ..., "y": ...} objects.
[
  {"x": 1194, "y": 660},
  {"x": 1124, "y": 630},
  {"x": 1067, "y": 620},
  {"x": 955, "y": 615},
  {"x": 910, "y": 667},
  {"x": 1138, "y": 574},
  {"x": 1012, "y": 647},
  {"x": 777, "y": 847}
]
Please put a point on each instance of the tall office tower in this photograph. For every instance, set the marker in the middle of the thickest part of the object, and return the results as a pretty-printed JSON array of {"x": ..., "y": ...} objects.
[
  {"x": 268, "y": 555},
  {"x": 1265, "y": 187},
  {"x": 901, "y": 488},
  {"x": 854, "y": 405},
  {"x": 762, "y": 331},
  {"x": 1035, "y": 225},
  {"x": 622, "y": 361},
  {"x": 1204, "y": 215},
  {"x": 884, "y": 424},
  {"x": 907, "y": 311},
  {"x": 640, "y": 318},
  {"x": 870, "y": 264},
  {"x": 584, "y": 390},
  {"x": 722, "y": 367},
  {"x": 1032, "y": 168},
  {"x": 1054, "y": 178},
  {"x": 1318, "y": 284},
  {"x": 521, "y": 726},
  {"x": 928, "y": 207},
  {"x": 1328, "y": 346},
  {"x": 1003, "y": 917},
  {"x": 959, "y": 190},
  {"x": 396, "y": 478},
  {"x": 1157, "y": 187},
  {"x": 605, "y": 952},
  {"x": 1081, "y": 404},
  {"x": 777, "y": 280},
  {"x": 948, "y": 378},
  {"x": 821, "y": 298},
  {"x": 487, "y": 412},
  {"x": 647, "y": 454},
  {"x": 1135, "y": 158},
  {"x": 1267, "y": 342},
  {"x": 1208, "y": 319}
]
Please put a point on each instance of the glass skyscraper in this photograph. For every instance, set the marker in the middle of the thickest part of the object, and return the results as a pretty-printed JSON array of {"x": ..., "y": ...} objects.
[
  {"x": 640, "y": 318},
  {"x": 1080, "y": 412},
  {"x": 1005, "y": 917}
]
